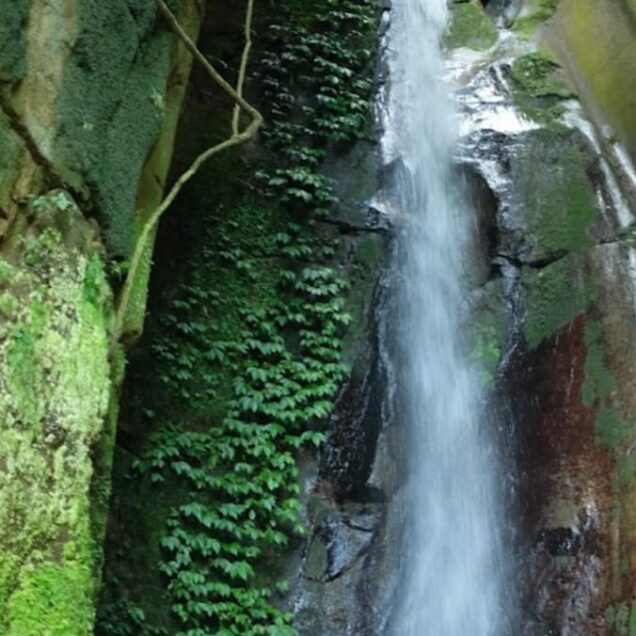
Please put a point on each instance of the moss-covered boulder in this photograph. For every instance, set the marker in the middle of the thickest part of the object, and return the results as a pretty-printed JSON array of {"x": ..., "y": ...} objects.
[
  {"x": 540, "y": 87},
  {"x": 470, "y": 27},
  {"x": 90, "y": 95},
  {"x": 553, "y": 207}
]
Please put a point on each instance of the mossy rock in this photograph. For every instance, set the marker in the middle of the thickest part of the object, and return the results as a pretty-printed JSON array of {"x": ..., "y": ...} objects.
[
  {"x": 488, "y": 330},
  {"x": 111, "y": 106},
  {"x": 541, "y": 12},
  {"x": 54, "y": 394},
  {"x": 539, "y": 87},
  {"x": 12, "y": 29},
  {"x": 557, "y": 294},
  {"x": 551, "y": 169},
  {"x": 471, "y": 27}
]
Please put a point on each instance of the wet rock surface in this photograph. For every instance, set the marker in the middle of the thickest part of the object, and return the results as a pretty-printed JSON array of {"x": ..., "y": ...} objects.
[
  {"x": 553, "y": 287},
  {"x": 563, "y": 257}
]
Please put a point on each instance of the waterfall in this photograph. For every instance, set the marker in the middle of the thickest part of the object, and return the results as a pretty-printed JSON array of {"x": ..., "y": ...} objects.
[{"x": 452, "y": 575}]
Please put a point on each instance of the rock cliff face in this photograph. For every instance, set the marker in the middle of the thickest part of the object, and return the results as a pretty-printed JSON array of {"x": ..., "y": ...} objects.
[
  {"x": 564, "y": 253},
  {"x": 554, "y": 298},
  {"x": 87, "y": 90}
]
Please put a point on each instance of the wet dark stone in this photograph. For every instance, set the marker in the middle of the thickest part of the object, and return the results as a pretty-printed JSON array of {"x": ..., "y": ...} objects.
[
  {"x": 349, "y": 454},
  {"x": 560, "y": 541},
  {"x": 345, "y": 544}
]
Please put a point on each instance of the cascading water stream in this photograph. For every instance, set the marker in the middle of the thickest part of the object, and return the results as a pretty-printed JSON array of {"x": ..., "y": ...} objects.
[{"x": 453, "y": 577}]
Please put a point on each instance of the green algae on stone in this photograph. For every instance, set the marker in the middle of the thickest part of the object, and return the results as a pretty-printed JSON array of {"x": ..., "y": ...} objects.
[
  {"x": 53, "y": 598},
  {"x": 487, "y": 350},
  {"x": 550, "y": 168},
  {"x": 621, "y": 619},
  {"x": 470, "y": 27},
  {"x": 487, "y": 346},
  {"x": 557, "y": 294},
  {"x": 103, "y": 458},
  {"x": 539, "y": 87},
  {"x": 488, "y": 330},
  {"x": 599, "y": 382},
  {"x": 617, "y": 618},
  {"x": 613, "y": 429},
  {"x": 54, "y": 391},
  {"x": 11, "y": 147},
  {"x": 543, "y": 11}
]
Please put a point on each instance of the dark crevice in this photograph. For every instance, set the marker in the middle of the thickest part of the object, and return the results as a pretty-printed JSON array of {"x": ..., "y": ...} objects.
[
  {"x": 52, "y": 176},
  {"x": 538, "y": 263},
  {"x": 347, "y": 228}
]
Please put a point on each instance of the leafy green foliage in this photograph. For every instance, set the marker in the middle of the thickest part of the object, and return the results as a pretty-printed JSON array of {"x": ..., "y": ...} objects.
[
  {"x": 124, "y": 618},
  {"x": 241, "y": 475},
  {"x": 318, "y": 92}
]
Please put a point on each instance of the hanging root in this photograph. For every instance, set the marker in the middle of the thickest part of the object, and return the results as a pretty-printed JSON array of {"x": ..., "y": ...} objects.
[{"x": 236, "y": 138}]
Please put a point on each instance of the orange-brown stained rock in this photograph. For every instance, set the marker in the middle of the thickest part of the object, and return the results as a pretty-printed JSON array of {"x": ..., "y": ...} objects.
[{"x": 565, "y": 487}]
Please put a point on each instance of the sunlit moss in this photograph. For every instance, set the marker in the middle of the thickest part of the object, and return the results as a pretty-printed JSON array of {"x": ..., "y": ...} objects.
[{"x": 54, "y": 391}]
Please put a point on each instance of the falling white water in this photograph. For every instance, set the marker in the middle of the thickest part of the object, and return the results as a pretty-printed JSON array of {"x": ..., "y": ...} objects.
[{"x": 452, "y": 581}]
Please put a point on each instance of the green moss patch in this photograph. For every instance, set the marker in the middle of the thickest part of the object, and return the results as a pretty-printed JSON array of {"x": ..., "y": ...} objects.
[
  {"x": 54, "y": 391},
  {"x": 488, "y": 334},
  {"x": 621, "y": 619},
  {"x": 12, "y": 29},
  {"x": 11, "y": 148},
  {"x": 470, "y": 27},
  {"x": 614, "y": 430},
  {"x": 556, "y": 295},
  {"x": 550, "y": 168},
  {"x": 539, "y": 87},
  {"x": 53, "y": 599},
  {"x": 543, "y": 11},
  {"x": 111, "y": 107}
]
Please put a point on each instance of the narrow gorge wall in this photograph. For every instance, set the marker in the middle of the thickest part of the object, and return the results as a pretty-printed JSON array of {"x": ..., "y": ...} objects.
[
  {"x": 86, "y": 93},
  {"x": 260, "y": 317}
]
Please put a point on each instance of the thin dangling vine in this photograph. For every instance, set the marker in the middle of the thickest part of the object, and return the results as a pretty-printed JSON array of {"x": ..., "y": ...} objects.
[{"x": 235, "y": 139}]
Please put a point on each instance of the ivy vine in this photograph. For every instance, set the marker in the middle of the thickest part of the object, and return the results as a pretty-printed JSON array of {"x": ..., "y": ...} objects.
[{"x": 317, "y": 82}]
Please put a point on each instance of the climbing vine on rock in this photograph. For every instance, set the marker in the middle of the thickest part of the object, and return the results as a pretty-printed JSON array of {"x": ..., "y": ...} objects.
[
  {"x": 241, "y": 476},
  {"x": 317, "y": 83}
]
